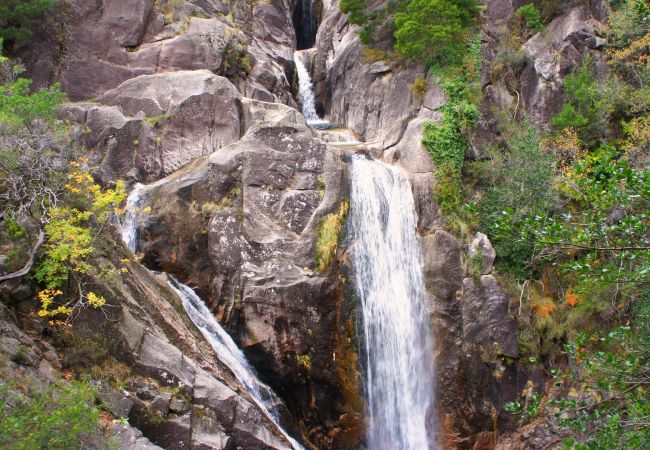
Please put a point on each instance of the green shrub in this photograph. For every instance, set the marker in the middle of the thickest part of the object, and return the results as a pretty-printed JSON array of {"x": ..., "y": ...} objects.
[
  {"x": 583, "y": 109},
  {"x": 19, "y": 106},
  {"x": 356, "y": 9},
  {"x": 434, "y": 30},
  {"x": 446, "y": 141},
  {"x": 328, "y": 237},
  {"x": 20, "y": 16},
  {"x": 628, "y": 23},
  {"x": 531, "y": 15},
  {"x": 54, "y": 418},
  {"x": 521, "y": 186}
]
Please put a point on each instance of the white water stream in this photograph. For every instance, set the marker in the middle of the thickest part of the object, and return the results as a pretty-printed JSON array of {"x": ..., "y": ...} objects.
[
  {"x": 306, "y": 91},
  {"x": 228, "y": 353},
  {"x": 387, "y": 271},
  {"x": 224, "y": 347}
]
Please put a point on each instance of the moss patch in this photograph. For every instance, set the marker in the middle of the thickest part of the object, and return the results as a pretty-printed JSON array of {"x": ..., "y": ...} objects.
[{"x": 328, "y": 237}]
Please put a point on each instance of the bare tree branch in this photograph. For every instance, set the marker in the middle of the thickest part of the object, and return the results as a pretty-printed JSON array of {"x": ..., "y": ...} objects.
[{"x": 30, "y": 263}]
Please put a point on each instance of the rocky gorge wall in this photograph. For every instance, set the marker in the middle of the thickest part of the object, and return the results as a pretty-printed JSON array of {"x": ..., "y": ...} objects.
[{"x": 200, "y": 99}]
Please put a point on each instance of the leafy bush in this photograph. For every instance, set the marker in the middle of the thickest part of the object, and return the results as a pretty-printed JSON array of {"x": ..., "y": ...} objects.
[
  {"x": 521, "y": 187},
  {"x": 583, "y": 109},
  {"x": 603, "y": 238},
  {"x": 611, "y": 369},
  {"x": 20, "y": 16},
  {"x": 628, "y": 23},
  {"x": 434, "y": 30},
  {"x": 447, "y": 141},
  {"x": 71, "y": 233},
  {"x": 55, "y": 418},
  {"x": 531, "y": 15},
  {"x": 20, "y": 107},
  {"x": 356, "y": 9},
  {"x": 46, "y": 198}
]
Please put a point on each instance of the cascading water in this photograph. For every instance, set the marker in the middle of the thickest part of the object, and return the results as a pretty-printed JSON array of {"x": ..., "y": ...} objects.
[
  {"x": 129, "y": 223},
  {"x": 304, "y": 19},
  {"x": 224, "y": 347},
  {"x": 306, "y": 91},
  {"x": 228, "y": 353},
  {"x": 387, "y": 272}
]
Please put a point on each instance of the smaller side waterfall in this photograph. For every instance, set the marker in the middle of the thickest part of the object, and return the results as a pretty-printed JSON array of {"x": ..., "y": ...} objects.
[
  {"x": 306, "y": 91},
  {"x": 228, "y": 353},
  {"x": 129, "y": 222},
  {"x": 224, "y": 347}
]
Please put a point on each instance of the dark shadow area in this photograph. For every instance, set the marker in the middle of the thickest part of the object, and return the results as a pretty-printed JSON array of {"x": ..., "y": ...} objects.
[{"x": 305, "y": 22}]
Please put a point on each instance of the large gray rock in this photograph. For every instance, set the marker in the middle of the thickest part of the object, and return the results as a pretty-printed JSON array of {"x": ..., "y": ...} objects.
[
  {"x": 555, "y": 52},
  {"x": 152, "y": 125},
  {"x": 487, "y": 323},
  {"x": 482, "y": 246},
  {"x": 251, "y": 44},
  {"x": 241, "y": 227},
  {"x": 129, "y": 438}
]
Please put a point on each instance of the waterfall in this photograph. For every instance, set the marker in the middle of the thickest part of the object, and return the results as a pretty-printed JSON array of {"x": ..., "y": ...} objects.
[
  {"x": 388, "y": 277},
  {"x": 306, "y": 90},
  {"x": 228, "y": 353},
  {"x": 224, "y": 347},
  {"x": 129, "y": 222},
  {"x": 304, "y": 18}
]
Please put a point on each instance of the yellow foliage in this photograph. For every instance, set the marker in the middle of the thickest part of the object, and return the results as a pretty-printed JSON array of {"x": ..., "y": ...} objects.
[
  {"x": 71, "y": 233},
  {"x": 94, "y": 300},
  {"x": 419, "y": 87},
  {"x": 637, "y": 132},
  {"x": 636, "y": 54},
  {"x": 328, "y": 237},
  {"x": 566, "y": 147}
]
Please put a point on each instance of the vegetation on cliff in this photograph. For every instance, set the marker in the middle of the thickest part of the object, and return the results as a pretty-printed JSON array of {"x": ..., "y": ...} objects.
[
  {"x": 18, "y": 17},
  {"x": 48, "y": 199},
  {"x": 584, "y": 258},
  {"x": 567, "y": 209}
]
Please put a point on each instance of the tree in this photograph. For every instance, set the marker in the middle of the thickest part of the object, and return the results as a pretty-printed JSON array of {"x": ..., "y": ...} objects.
[
  {"x": 584, "y": 106},
  {"x": 433, "y": 30},
  {"x": 34, "y": 155},
  {"x": 18, "y": 17},
  {"x": 48, "y": 197}
]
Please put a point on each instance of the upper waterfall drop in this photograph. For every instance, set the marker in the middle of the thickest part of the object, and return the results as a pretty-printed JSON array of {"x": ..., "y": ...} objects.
[
  {"x": 129, "y": 227},
  {"x": 306, "y": 91},
  {"x": 389, "y": 281}
]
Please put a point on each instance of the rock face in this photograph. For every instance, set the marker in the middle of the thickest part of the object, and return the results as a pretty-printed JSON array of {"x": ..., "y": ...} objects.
[
  {"x": 146, "y": 330},
  {"x": 534, "y": 85},
  {"x": 152, "y": 125},
  {"x": 241, "y": 226},
  {"x": 120, "y": 40},
  {"x": 555, "y": 52}
]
